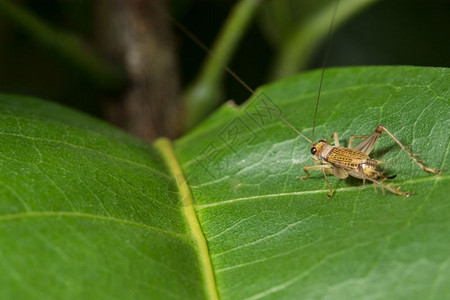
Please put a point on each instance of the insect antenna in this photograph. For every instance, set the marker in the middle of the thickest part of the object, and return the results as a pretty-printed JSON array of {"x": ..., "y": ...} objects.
[
  {"x": 293, "y": 128},
  {"x": 199, "y": 43},
  {"x": 324, "y": 63},
  {"x": 287, "y": 123}
]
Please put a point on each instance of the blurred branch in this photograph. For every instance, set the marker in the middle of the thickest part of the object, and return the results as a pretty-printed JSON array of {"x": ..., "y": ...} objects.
[
  {"x": 206, "y": 92},
  {"x": 296, "y": 51},
  {"x": 65, "y": 45},
  {"x": 138, "y": 33}
]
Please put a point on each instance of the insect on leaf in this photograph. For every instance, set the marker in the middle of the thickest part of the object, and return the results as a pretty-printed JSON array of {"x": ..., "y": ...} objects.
[
  {"x": 88, "y": 211},
  {"x": 273, "y": 236}
]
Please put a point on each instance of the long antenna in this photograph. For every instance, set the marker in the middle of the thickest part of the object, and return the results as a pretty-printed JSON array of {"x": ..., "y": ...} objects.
[
  {"x": 287, "y": 123},
  {"x": 324, "y": 62},
  {"x": 295, "y": 129},
  {"x": 199, "y": 43}
]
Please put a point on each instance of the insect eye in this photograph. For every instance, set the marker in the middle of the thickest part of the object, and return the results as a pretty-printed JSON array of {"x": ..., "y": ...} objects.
[{"x": 313, "y": 150}]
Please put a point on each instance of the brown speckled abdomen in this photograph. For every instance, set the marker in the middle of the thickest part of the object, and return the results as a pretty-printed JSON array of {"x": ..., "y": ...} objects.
[{"x": 351, "y": 159}]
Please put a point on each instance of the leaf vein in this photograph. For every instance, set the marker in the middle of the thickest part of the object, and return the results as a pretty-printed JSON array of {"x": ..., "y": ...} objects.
[
  {"x": 264, "y": 238},
  {"x": 86, "y": 149},
  {"x": 77, "y": 214}
]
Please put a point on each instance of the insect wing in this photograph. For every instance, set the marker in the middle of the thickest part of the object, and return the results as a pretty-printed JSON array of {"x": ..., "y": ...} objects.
[
  {"x": 367, "y": 144},
  {"x": 346, "y": 157}
]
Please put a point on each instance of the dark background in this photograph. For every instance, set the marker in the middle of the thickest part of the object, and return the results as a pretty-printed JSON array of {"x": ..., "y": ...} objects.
[{"x": 387, "y": 33}]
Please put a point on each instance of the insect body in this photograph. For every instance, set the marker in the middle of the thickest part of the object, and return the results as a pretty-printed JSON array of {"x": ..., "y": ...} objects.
[{"x": 356, "y": 162}]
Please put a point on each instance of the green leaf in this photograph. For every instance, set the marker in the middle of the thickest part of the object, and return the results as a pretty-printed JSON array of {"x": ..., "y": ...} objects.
[
  {"x": 273, "y": 236},
  {"x": 87, "y": 211}
]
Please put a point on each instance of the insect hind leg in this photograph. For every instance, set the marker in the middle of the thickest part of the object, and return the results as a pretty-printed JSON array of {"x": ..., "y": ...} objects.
[
  {"x": 389, "y": 188},
  {"x": 380, "y": 129}
]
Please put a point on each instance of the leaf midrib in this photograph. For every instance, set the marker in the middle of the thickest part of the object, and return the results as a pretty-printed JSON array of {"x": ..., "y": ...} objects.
[{"x": 165, "y": 148}]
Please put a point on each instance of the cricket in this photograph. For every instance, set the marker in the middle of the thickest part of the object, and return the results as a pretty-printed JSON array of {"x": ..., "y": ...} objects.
[
  {"x": 356, "y": 162},
  {"x": 333, "y": 159}
]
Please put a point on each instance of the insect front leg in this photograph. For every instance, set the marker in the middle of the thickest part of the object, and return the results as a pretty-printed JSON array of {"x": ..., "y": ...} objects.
[
  {"x": 324, "y": 171},
  {"x": 315, "y": 167},
  {"x": 325, "y": 168},
  {"x": 381, "y": 129}
]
